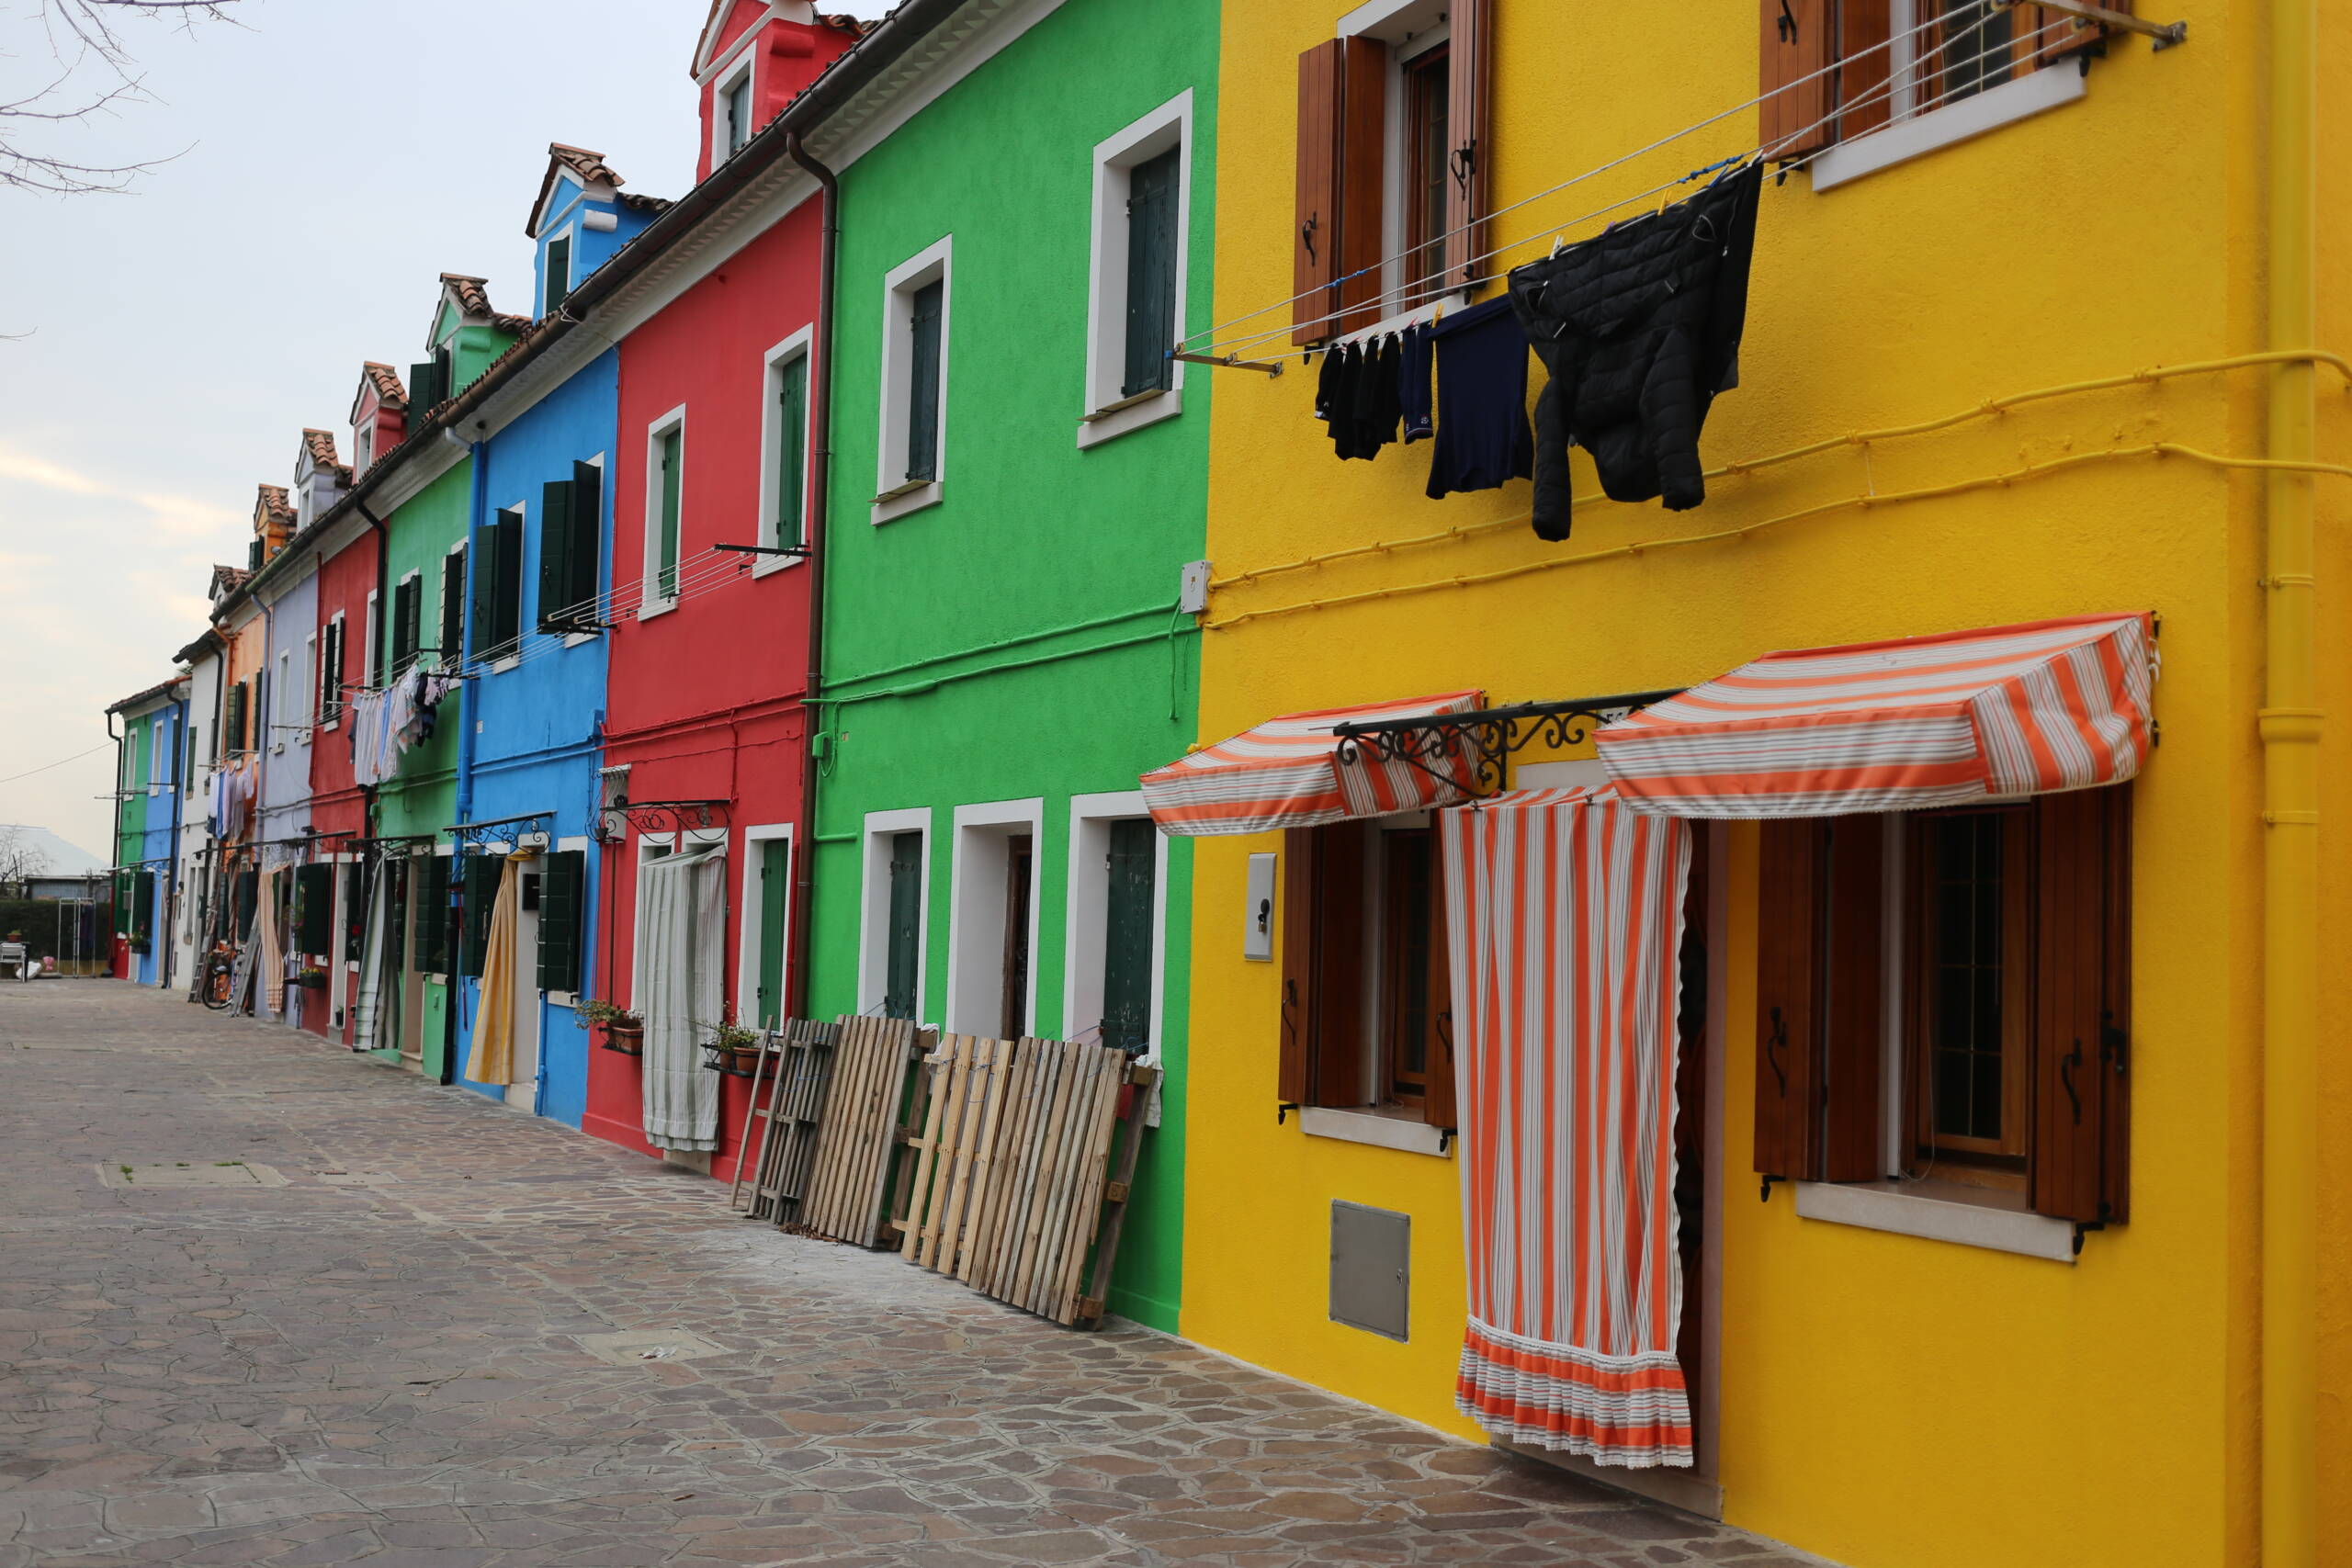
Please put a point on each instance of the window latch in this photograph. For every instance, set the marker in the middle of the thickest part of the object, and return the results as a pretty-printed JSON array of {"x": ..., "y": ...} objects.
[
  {"x": 1283, "y": 1108},
  {"x": 1787, "y": 24},
  {"x": 1307, "y": 237},
  {"x": 2066, "y": 1065}
]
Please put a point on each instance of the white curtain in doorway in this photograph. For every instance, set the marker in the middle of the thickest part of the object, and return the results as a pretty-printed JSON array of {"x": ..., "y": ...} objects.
[{"x": 681, "y": 937}]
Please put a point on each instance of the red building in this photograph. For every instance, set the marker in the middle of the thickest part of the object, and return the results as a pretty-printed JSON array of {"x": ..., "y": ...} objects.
[{"x": 703, "y": 729}]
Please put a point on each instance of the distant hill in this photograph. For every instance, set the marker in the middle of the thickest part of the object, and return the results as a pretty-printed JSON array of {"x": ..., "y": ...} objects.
[{"x": 60, "y": 859}]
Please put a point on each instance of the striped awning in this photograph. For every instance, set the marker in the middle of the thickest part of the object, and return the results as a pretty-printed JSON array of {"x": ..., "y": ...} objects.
[
  {"x": 1287, "y": 774},
  {"x": 1924, "y": 721}
]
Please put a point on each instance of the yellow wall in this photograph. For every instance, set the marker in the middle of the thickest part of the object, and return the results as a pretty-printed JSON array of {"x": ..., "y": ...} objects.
[{"x": 1885, "y": 1400}]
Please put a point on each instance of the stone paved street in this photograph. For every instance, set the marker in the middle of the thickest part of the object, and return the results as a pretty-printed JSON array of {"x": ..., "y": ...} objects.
[{"x": 389, "y": 1358}]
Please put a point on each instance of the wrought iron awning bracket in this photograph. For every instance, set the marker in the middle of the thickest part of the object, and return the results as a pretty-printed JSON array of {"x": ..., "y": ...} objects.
[
  {"x": 670, "y": 816},
  {"x": 1486, "y": 739},
  {"x": 473, "y": 835}
]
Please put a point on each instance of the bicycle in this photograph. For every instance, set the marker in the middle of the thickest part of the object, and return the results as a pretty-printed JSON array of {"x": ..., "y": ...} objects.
[{"x": 220, "y": 978}]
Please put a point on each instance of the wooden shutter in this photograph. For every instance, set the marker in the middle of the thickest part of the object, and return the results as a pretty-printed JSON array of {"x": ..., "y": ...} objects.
[
  {"x": 1322, "y": 1059},
  {"x": 1313, "y": 240},
  {"x": 480, "y": 896},
  {"x": 235, "y": 724},
  {"x": 1151, "y": 271},
  {"x": 1469, "y": 89},
  {"x": 555, "y": 555},
  {"x": 587, "y": 522},
  {"x": 1791, "y": 888},
  {"x": 1343, "y": 137},
  {"x": 1853, "y": 1025},
  {"x": 429, "y": 937},
  {"x": 485, "y": 591},
  {"x": 558, "y": 286},
  {"x": 355, "y": 912},
  {"x": 507, "y": 608},
  {"x": 1797, "y": 48},
  {"x": 1863, "y": 69},
  {"x": 2082, "y": 1012},
  {"x": 775, "y": 905},
  {"x": 1293, "y": 1076},
  {"x": 922, "y": 382},
  {"x": 901, "y": 978},
  {"x": 1126, "y": 934},
  {"x": 453, "y": 607},
  {"x": 561, "y": 899},
  {"x": 410, "y": 607},
  {"x": 791, "y": 452}
]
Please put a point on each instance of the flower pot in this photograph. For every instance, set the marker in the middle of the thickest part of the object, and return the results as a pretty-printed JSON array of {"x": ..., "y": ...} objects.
[{"x": 628, "y": 1039}]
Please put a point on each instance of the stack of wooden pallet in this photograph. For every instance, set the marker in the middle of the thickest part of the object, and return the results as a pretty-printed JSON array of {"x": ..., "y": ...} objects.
[
  {"x": 870, "y": 1113},
  {"x": 1016, "y": 1180},
  {"x": 796, "y": 1065}
]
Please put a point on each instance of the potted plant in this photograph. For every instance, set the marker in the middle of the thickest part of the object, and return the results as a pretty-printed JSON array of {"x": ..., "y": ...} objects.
[
  {"x": 139, "y": 945},
  {"x": 733, "y": 1049},
  {"x": 624, "y": 1030},
  {"x": 312, "y": 979}
]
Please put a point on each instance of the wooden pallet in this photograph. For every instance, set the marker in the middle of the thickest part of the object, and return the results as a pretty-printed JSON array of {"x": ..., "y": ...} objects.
[
  {"x": 1015, "y": 1166},
  {"x": 866, "y": 1129},
  {"x": 797, "y": 1062}
]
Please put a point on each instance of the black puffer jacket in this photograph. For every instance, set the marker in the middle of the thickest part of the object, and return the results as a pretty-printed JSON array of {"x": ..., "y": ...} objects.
[{"x": 1639, "y": 328}]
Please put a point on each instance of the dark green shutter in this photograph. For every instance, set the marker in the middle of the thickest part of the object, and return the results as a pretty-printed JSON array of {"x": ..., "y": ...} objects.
[
  {"x": 481, "y": 894},
  {"x": 1126, "y": 935},
  {"x": 923, "y": 383},
  {"x": 396, "y": 920},
  {"x": 428, "y": 386},
  {"x": 453, "y": 600},
  {"x": 429, "y": 938},
  {"x": 485, "y": 594},
  {"x": 791, "y": 450},
  {"x": 775, "y": 899},
  {"x": 142, "y": 903},
  {"x": 408, "y": 622},
  {"x": 234, "y": 726},
  {"x": 555, "y": 554},
  {"x": 315, "y": 890},
  {"x": 245, "y": 893},
  {"x": 510, "y": 578},
  {"x": 674, "y": 443},
  {"x": 355, "y": 912},
  {"x": 1151, "y": 272},
  {"x": 587, "y": 540},
  {"x": 901, "y": 972},
  {"x": 562, "y": 888},
  {"x": 559, "y": 272}
]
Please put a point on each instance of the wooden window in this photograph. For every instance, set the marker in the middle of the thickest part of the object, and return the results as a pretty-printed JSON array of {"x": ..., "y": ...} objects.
[
  {"x": 1427, "y": 79},
  {"x": 925, "y": 310},
  {"x": 776, "y": 904},
  {"x": 1833, "y": 70},
  {"x": 1131, "y": 899},
  {"x": 738, "y": 111},
  {"x": 791, "y": 452},
  {"x": 570, "y": 532},
  {"x": 452, "y": 633},
  {"x": 901, "y": 975},
  {"x": 2011, "y": 961},
  {"x": 563, "y": 906},
  {"x": 555, "y": 554},
  {"x": 1366, "y": 1001},
  {"x": 1152, "y": 189},
  {"x": 558, "y": 284},
  {"x": 330, "y": 704},
  {"x": 480, "y": 888},
  {"x": 1019, "y": 867},
  {"x": 672, "y": 459}
]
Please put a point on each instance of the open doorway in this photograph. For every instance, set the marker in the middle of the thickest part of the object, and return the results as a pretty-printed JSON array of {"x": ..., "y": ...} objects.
[{"x": 992, "y": 926}]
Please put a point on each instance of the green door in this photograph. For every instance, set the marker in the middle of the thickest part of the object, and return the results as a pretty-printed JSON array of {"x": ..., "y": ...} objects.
[
  {"x": 775, "y": 894},
  {"x": 1127, "y": 936},
  {"x": 906, "y": 925}
]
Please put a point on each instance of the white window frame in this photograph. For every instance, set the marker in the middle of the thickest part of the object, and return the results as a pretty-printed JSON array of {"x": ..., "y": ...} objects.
[
  {"x": 334, "y": 625},
  {"x": 894, "y": 495},
  {"x": 587, "y": 910},
  {"x": 797, "y": 347},
  {"x": 363, "y": 444},
  {"x": 1088, "y": 904},
  {"x": 1912, "y": 132},
  {"x": 278, "y": 720},
  {"x": 372, "y": 652},
  {"x": 604, "y": 555},
  {"x": 736, "y": 76},
  {"x": 651, "y": 602},
  {"x": 975, "y": 885},
  {"x": 747, "y": 958},
  {"x": 873, "y": 909},
  {"x": 1109, "y": 412}
]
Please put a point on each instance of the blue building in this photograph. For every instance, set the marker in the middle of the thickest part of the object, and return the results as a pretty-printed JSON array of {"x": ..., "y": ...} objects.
[
  {"x": 538, "y": 561},
  {"x": 150, "y": 783}
]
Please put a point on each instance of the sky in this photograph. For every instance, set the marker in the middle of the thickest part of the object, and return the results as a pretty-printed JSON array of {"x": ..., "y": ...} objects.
[{"x": 160, "y": 352}]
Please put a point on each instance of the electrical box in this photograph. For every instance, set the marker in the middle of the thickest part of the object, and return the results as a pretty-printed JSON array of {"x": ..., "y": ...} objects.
[
  {"x": 1371, "y": 1268},
  {"x": 1258, "y": 934},
  {"x": 1193, "y": 594}
]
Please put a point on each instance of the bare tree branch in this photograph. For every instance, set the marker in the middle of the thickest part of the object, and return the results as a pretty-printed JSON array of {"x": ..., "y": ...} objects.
[{"x": 86, "y": 34}]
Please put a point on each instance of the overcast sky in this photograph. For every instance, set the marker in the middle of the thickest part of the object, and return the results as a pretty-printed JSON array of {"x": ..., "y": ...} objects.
[{"x": 160, "y": 352}]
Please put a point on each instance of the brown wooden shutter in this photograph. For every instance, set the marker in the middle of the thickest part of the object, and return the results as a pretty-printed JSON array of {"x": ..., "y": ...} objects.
[
  {"x": 1315, "y": 237},
  {"x": 1470, "y": 71},
  {"x": 1338, "y": 1070},
  {"x": 1364, "y": 185},
  {"x": 1796, "y": 51},
  {"x": 1437, "y": 1094},
  {"x": 1853, "y": 1028},
  {"x": 1297, "y": 926},
  {"x": 1791, "y": 888},
  {"x": 1863, "y": 70},
  {"x": 2082, "y": 1022},
  {"x": 1342, "y": 130}
]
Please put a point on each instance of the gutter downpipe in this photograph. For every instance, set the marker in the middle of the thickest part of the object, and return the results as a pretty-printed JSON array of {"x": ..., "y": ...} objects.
[
  {"x": 2290, "y": 726},
  {"x": 812, "y": 683}
]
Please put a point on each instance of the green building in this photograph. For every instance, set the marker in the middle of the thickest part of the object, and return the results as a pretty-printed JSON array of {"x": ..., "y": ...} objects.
[{"x": 1018, "y": 486}]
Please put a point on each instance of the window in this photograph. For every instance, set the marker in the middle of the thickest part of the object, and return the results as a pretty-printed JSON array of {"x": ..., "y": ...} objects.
[
  {"x": 187, "y": 763},
  {"x": 664, "y": 500},
  {"x": 498, "y": 587},
  {"x": 480, "y": 889},
  {"x": 992, "y": 923},
  {"x": 735, "y": 112},
  {"x": 288, "y": 714},
  {"x": 562, "y": 908},
  {"x": 233, "y": 723},
  {"x": 1393, "y": 162},
  {"x": 787, "y": 445},
  {"x": 329, "y": 705},
  {"x": 570, "y": 527},
  {"x": 452, "y": 633},
  {"x": 914, "y": 383},
  {"x": 1365, "y": 1004},
  {"x": 1151, "y": 272},
  {"x": 312, "y": 687},
  {"x": 431, "y": 383},
  {"x": 1942, "y": 997},
  {"x": 1142, "y": 183},
  {"x": 1130, "y": 910},
  {"x": 429, "y": 937},
  {"x": 1880, "y": 63},
  {"x": 558, "y": 277},
  {"x": 767, "y": 902},
  {"x": 408, "y": 596},
  {"x": 363, "y": 448}
]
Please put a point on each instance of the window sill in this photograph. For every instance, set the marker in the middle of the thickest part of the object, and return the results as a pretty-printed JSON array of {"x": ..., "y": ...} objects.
[
  {"x": 1372, "y": 1127},
  {"x": 1969, "y": 1216},
  {"x": 1899, "y": 144},
  {"x": 892, "y": 504},
  {"x": 768, "y": 566},
  {"x": 561, "y": 999},
  {"x": 1109, "y": 424},
  {"x": 578, "y": 639},
  {"x": 501, "y": 666},
  {"x": 652, "y": 607}
]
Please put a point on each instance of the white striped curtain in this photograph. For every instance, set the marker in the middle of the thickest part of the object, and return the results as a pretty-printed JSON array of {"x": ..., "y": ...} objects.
[{"x": 1565, "y": 914}]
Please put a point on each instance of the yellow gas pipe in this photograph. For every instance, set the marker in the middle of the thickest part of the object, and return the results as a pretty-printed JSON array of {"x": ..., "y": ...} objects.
[{"x": 2291, "y": 731}]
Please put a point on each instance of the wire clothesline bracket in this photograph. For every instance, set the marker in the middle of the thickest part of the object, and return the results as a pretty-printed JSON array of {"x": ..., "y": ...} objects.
[
  {"x": 2163, "y": 35},
  {"x": 1224, "y": 361},
  {"x": 1481, "y": 742}
]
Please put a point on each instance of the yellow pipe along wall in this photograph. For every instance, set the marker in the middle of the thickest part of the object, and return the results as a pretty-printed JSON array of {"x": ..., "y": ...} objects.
[{"x": 1883, "y": 1399}]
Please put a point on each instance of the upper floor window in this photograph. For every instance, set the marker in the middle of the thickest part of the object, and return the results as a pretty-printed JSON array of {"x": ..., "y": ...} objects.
[
  {"x": 914, "y": 383},
  {"x": 664, "y": 506},
  {"x": 363, "y": 448},
  {"x": 1141, "y": 191},
  {"x": 786, "y": 461},
  {"x": 453, "y": 606},
  {"x": 570, "y": 529},
  {"x": 498, "y": 587},
  {"x": 330, "y": 668},
  {"x": 408, "y": 621},
  {"x": 559, "y": 278},
  {"x": 735, "y": 110}
]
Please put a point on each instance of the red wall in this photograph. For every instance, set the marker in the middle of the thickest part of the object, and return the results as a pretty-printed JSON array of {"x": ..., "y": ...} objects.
[
  {"x": 785, "y": 58},
  {"x": 702, "y": 701},
  {"x": 344, "y": 579}
]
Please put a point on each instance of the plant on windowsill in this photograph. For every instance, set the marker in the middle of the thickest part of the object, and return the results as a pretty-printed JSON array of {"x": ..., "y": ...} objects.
[
  {"x": 311, "y": 979},
  {"x": 733, "y": 1049},
  {"x": 624, "y": 1030},
  {"x": 139, "y": 945}
]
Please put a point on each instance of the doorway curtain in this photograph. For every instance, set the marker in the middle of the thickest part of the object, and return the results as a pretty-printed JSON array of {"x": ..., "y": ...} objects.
[
  {"x": 494, "y": 1055},
  {"x": 368, "y": 1009},
  {"x": 682, "y": 929}
]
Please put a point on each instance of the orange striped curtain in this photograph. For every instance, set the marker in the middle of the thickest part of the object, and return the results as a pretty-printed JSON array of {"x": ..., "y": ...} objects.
[{"x": 1564, "y": 912}]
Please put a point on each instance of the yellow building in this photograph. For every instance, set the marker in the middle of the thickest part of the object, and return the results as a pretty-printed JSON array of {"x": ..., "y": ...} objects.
[{"x": 1909, "y": 1365}]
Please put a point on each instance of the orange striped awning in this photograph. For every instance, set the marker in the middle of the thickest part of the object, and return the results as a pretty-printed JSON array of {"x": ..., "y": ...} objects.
[
  {"x": 1287, "y": 774},
  {"x": 1926, "y": 721}
]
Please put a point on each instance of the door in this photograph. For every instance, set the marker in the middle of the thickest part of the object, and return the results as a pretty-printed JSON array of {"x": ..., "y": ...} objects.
[
  {"x": 1126, "y": 935},
  {"x": 523, "y": 1083},
  {"x": 774, "y": 902},
  {"x": 1012, "y": 1007},
  {"x": 403, "y": 982},
  {"x": 900, "y": 975}
]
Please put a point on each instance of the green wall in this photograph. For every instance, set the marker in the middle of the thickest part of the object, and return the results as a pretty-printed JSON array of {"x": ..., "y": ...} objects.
[{"x": 1032, "y": 534}]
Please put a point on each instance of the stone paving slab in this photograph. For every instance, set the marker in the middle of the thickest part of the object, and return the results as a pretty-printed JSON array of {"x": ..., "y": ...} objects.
[{"x": 407, "y": 1371}]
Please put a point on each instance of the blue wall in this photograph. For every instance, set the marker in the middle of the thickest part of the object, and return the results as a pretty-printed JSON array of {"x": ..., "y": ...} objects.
[
  {"x": 158, "y": 844},
  {"x": 591, "y": 248}
]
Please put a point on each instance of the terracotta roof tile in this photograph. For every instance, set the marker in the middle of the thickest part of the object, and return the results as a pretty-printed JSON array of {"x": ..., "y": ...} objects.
[
  {"x": 506, "y": 323},
  {"x": 388, "y": 390},
  {"x": 645, "y": 203},
  {"x": 473, "y": 293},
  {"x": 590, "y": 166},
  {"x": 273, "y": 505},
  {"x": 320, "y": 446},
  {"x": 157, "y": 690}
]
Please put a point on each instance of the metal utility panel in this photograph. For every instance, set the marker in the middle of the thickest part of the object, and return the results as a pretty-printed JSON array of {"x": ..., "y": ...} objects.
[
  {"x": 1371, "y": 1267},
  {"x": 1258, "y": 932},
  {"x": 1193, "y": 590}
]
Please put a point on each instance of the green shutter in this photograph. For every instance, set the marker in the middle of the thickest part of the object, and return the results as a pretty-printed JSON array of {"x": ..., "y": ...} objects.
[
  {"x": 429, "y": 938},
  {"x": 559, "y": 272},
  {"x": 555, "y": 554},
  {"x": 453, "y": 600},
  {"x": 673, "y": 443},
  {"x": 1126, "y": 935},
  {"x": 922, "y": 382},
  {"x": 510, "y": 578},
  {"x": 237, "y": 717},
  {"x": 562, "y": 887},
  {"x": 142, "y": 903},
  {"x": 355, "y": 912},
  {"x": 776, "y": 902},
  {"x": 1151, "y": 272},
  {"x": 587, "y": 540},
  {"x": 481, "y": 894},
  {"x": 243, "y": 894},
  {"x": 900, "y": 973},
  {"x": 485, "y": 594},
  {"x": 791, "y": 450},
  {"x": 396, "y": 922},
  {"x": 408, "y": 623}
]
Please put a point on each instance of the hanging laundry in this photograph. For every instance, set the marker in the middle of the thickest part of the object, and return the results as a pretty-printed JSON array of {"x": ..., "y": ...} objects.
[
  {"x": 1639, "y": 328},
  {"x": 1482, "y": 436},
  {"x": 1379, "y": 398},
  {"x": 1413, "y": 383}
]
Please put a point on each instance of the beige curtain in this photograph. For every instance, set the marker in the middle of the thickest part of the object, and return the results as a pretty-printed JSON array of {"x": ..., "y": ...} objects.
[
  {"x": 271, "y": 947},
  {"x": 493, "y": 1056}
]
